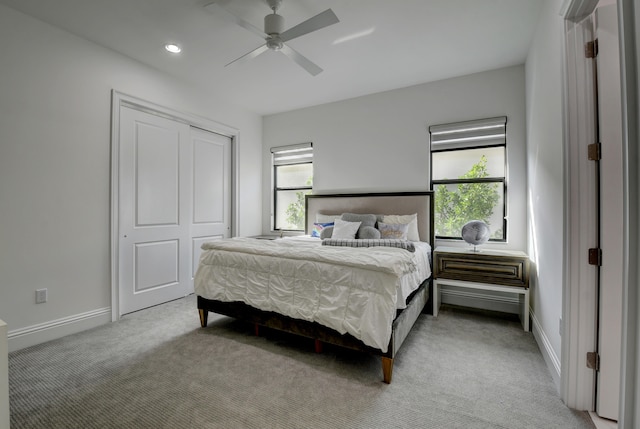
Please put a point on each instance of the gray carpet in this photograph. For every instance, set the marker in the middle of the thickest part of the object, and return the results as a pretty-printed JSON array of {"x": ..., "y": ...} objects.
[{"x": 158, "y": 369}]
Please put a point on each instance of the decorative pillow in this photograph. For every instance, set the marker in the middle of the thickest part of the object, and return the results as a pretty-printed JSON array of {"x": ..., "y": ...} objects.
[
  {"x": 327, "y": 232},
  {"x": 365, "y": 219},
  {"x": 401, "y": 244},
  {"x": 318, "y": 228},
  {"x": 344, "y": 229},
  {"x": 411, "y": 220},
  {"x": 393, "y": 230},
  {"x": 327, "y": 218},
  {"x": 368, "y": 232}
]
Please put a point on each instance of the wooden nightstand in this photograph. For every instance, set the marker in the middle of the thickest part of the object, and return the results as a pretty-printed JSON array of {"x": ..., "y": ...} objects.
[{"x": 488, "y": 269}]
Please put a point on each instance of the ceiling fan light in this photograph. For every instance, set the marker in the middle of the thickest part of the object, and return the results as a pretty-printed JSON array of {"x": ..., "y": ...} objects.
[{"x": 274, "y": 43}]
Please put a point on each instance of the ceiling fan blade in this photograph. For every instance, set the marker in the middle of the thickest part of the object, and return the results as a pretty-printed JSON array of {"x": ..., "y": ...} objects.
[
  {"x": 321, "y": 20},
  {"x": 217, "y": 9},
  {"x": 257, "y": 51},
  {"x": 302, "y": 61}
]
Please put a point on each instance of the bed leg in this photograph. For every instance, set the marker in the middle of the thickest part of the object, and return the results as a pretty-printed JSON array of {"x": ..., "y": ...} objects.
[
  {"x": 387, "y": 369},
  {"x": 256, "y": 329},
  {"x": 204, "y": 314},
  {"x": 318, "y": 346}
]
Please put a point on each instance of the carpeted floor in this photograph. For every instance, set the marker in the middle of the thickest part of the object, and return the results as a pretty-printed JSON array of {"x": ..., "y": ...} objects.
[{"x": 158, "y": 369}]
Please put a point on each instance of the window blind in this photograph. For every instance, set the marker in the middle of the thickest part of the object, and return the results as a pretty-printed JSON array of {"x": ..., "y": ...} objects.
[
  {"x": 469, "y": 134},
  {"x": 292, "y": 154}
]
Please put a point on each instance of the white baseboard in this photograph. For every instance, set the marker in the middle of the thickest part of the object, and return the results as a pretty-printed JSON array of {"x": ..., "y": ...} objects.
[
  {"x": 549, "y": 355},
  {"x": 43, "y": 332},
  {"x": 484, "y": 300}
]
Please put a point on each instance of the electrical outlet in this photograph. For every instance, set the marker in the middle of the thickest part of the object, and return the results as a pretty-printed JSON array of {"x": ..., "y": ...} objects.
[{"x": 41, "y": 296}]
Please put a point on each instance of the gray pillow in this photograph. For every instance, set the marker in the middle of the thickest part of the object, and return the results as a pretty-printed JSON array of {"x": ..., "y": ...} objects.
[
  {"x": 326, "y": 232},
  {"x": 368, "y": 232},
  {"x": 365, "y": 219}
]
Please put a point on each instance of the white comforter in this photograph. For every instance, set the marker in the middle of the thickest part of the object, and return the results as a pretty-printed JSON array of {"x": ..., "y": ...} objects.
[{"x": 352, "y": 290}]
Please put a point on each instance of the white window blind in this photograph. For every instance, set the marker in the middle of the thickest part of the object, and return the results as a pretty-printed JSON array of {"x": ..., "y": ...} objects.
[
  {"x": 469, "y": 134},
  {"x": 292, "y": 154}
]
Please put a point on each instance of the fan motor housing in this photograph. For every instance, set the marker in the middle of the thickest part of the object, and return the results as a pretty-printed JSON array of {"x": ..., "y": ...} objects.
[{"x": 273, "y": 24}]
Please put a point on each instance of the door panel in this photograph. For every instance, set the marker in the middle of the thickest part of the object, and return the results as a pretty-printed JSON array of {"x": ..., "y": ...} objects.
[
  {"x": 196, "y": 250},
  {"x": 156, "y": 169},
  {"x": 156, "y": 265},
  {"x": 154, "y": 210},
  {"x": 611, "y": 210},
  {"x": 580, "y": 298},
  {"x": 211, "y": 191},
  {"x": 209, "y": 183}
]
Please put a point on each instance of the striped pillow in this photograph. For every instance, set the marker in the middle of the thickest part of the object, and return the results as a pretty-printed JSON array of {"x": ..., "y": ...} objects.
[{"x": 381, "y": 242}]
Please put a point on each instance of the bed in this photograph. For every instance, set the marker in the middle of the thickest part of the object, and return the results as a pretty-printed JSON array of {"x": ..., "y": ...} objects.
[{"x": 231, "y": 271}]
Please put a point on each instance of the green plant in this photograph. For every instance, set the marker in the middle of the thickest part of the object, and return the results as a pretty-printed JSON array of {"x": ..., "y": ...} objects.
[
  {"x": 470, "y": 201},
  {"x": 295, "y": 210}
]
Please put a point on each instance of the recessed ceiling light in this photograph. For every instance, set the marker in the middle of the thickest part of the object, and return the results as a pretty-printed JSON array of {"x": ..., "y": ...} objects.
[{"x": 174, "y": 49}]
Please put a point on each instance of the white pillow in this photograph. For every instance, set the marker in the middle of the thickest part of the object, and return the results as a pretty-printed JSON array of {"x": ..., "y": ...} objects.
[
  {"x": 412, "y": 220},
  {"x": 344, "y": 229},
  {"x": 396, "y": 231}
]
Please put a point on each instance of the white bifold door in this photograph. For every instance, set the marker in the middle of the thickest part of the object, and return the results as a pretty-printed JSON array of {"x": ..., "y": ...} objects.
[{"x": 174, "y": 194}]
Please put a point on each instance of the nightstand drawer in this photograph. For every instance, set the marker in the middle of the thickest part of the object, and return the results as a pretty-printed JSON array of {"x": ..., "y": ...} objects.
[{"x": 483, "y": 268}]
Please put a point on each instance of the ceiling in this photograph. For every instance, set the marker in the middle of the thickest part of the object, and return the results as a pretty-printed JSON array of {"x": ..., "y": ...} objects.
[{"x": 378, "y": 45}]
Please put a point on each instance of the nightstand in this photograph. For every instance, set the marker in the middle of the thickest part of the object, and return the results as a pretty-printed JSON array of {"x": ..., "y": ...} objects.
[{"x": 488, "y": 269}]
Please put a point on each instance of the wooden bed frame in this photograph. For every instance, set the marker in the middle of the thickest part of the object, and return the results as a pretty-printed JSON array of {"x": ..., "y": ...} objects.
[{"x": 401, "y": 203}]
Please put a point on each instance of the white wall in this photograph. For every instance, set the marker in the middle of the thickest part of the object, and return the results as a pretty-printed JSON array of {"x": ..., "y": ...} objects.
[
  {"x": 545, "y": 167},
  {"x": 55, "y": 109},
  {"x": 380, "y": 142}
]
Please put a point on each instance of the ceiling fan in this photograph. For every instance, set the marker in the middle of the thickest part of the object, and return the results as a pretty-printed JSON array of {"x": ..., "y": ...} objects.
[{"x": 275, "y": 36}]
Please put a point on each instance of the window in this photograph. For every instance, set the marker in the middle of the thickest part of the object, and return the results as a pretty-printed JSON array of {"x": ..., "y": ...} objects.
[
  {"x": 292, "y": 180},
  {"x": 468, "y": 176}
]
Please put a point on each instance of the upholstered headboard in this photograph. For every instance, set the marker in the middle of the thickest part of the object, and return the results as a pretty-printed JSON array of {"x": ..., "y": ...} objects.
[{"x": 387, "y": 203}]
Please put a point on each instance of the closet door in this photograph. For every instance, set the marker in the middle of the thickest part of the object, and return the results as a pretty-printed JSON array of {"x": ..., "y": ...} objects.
[
  {"x": 154, "y": 210},
  {"x": 211, "y": 178}
]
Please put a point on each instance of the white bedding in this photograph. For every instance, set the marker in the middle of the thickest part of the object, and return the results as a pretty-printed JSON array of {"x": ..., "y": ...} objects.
[
  {"x": 410, "y": 281},
  {"x": 352, "y": 290}
]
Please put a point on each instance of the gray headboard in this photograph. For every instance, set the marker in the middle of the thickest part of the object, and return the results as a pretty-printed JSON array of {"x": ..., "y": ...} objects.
[{"x": 388, "y": 203}]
